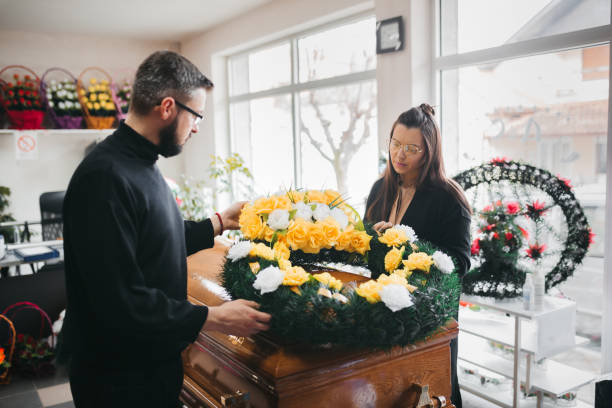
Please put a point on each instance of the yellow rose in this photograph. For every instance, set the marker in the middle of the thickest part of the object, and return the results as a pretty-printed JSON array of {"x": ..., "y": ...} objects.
[
  {"x": 297, "y": 235},
  {"x": 315, "y": 196},
  {"x": 82, "y": 92},
  {"x": 265, "y": 205},
  {"x": 419, "y": 260},
  {"x": 295, "y": 196},
  {"x": 96, "y": 106},
  {"x": 90, "y": 106},
  {"x": 266, "y": 233},
  {"x": 251, "y": 224},
  {"x": 93, "y": 81},
  {"x": 369, "y": 290},
  {"x": 393, "y": 259},
  {"x": 262, "y": 251},
  {"x": 393, "y": 237},
  {"x": 284, "y": 264},
  {"x": 316, "y": 239},
  {"x": 328, "y": 280},
  {"x": 331, "y": 231},
  {"x": 295, "y": 276},
  {"x": 404, "y": 273},
  {"x": 344, "y": 240},
  {"x": 93, "y": 97},
  {"x": 255, "y": 267},
  {"x": 395, "y": 279},
  {"x": 281, "y": 251},
  {"x": 360, "y": 242},
  {"x": 332, "y": 196}
]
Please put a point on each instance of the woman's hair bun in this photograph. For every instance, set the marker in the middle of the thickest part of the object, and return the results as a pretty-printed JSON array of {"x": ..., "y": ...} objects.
[{"x": 427, "y": 108}]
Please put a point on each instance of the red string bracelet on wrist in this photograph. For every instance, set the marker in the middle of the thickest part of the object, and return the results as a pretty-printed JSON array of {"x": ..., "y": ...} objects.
[{"x": 220, "y": 222}]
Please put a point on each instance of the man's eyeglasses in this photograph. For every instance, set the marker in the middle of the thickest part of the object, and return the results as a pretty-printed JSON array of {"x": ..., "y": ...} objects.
[
  {"x": 198, "y": 117},
  {"x": 408, "y": 148}
]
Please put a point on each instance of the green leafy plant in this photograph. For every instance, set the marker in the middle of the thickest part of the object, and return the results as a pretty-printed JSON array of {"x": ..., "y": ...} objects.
[{"x": 232, "y": 171}]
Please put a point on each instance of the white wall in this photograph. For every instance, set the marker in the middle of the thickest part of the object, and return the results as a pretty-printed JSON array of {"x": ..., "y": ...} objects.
[{"x": 59, "y": 152}]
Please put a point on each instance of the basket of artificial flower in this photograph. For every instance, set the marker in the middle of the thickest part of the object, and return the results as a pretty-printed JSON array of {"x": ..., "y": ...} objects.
[
  {"x": 96, "y": 99},
  {"x": 7, "y": 346},
  {"x": 20, "y": 98},
  {"x": 33, "y": 356},
  {"x": 61, "y": 99},
  {"x": 122, "y": 95}
]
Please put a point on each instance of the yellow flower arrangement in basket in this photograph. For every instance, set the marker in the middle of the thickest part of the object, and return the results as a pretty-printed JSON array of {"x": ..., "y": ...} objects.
[{"x": 97, "y": 101}]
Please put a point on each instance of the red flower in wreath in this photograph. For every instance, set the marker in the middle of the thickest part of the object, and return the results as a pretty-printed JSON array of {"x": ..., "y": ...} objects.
[
  {"x": 499, "y": 160},
  {"x": 535, "y": 251},
  {"x": 536, "y": 210},
  {"x": 475, "y": 249},
  {"x": 509, "y": 236},
  {"x": 2, "y": 356},
  {"x": 591, "y": 237},
  {"x": 513, "y": 207},
  {"x": 567, "y": 182},
  {"x": 495, "y": 235},
  {"x": 490, "y": 227}
]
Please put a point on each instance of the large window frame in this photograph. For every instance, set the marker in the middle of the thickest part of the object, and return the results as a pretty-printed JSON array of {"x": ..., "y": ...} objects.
[
  {"x": 555, "y": 43},
  {"x": 296, "y": 87}
]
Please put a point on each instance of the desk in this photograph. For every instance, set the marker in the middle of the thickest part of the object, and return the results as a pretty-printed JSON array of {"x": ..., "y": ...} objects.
[{"x": 10, "y": 259}]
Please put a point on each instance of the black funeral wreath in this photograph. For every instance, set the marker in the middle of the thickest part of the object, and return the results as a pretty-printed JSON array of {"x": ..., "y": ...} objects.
[{"x": 578, "y": 237}]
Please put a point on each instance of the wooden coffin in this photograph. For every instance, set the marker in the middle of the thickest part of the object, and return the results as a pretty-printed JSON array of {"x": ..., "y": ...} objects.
[{"x": 222, "y": 370}]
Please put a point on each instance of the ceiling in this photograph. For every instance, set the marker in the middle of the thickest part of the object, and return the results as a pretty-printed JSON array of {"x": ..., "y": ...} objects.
[{"x": 137, "y": 19}]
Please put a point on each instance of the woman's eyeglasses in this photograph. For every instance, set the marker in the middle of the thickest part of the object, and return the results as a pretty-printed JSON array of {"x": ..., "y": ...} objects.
[{"x": 408, "y": 148}]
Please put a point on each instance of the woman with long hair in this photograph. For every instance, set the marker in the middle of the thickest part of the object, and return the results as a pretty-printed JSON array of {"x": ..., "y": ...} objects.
[{"x": 415, "y": 191}]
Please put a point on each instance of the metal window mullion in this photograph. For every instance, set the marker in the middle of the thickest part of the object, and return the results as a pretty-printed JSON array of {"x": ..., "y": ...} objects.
[
  {"x": 606, "y": 323},
  {"x": 553, "y": 43},
  {"x": 295, "y": 106},
  {"x": 299, "y": 87}
]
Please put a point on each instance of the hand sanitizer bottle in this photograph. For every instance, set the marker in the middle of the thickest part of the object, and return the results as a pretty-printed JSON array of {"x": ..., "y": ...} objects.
[
  {"x": 528, "y": 289},
  {"x": 538, "y": 292}
]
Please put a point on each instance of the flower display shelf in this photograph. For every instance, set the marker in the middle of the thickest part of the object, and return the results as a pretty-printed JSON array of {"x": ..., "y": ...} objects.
[{"x": 531, "y": 338}]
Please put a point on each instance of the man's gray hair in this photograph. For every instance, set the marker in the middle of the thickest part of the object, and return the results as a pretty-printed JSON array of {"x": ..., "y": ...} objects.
[{"x": 163, "y": 74}]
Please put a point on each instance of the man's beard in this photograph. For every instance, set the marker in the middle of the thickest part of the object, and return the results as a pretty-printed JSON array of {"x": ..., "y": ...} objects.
[{"x": 168, "y": 146}]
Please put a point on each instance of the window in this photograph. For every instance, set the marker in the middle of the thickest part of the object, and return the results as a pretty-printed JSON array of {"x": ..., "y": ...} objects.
[
  {"x": 535, "y": 88},
  {"x": 303, "y": 110}
]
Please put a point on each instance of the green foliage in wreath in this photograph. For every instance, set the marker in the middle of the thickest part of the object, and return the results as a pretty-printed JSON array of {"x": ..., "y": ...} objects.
[
  {"x": 503, "y": 247},
  {"x": 310, "y": 318}
]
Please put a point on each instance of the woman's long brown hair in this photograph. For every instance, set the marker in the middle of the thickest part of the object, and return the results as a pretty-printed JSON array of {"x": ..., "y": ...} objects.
[{"x": 432, "y": 171}]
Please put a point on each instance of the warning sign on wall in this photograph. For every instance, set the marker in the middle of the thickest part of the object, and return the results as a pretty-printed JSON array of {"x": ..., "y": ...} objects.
[{"x": 26, "y": 145}]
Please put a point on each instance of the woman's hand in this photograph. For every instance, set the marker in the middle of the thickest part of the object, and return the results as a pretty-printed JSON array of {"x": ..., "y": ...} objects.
[{"x": 381, "y": 226}]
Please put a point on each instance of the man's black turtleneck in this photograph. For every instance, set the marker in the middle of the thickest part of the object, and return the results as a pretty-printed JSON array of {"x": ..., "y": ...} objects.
[{"x": 125, "y": 254}]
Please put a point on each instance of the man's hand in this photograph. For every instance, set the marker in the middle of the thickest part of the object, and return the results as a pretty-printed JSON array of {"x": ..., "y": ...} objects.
[
  {"x": 231, "y": 214},
  {"x": 230, "y": 218},
  {"x": 382, "y": 226},
  {"x": 239, "y": 317}
]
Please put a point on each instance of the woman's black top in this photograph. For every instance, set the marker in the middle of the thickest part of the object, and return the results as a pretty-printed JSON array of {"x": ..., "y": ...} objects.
[{"x": 436, "y": 216}]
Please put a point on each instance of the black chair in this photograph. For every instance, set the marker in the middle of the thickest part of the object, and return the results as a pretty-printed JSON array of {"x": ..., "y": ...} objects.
[{"x": 51, "y": 215}]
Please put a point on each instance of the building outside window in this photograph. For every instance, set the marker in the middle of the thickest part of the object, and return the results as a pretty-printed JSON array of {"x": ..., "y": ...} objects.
[{"x": 303, "y": 110}]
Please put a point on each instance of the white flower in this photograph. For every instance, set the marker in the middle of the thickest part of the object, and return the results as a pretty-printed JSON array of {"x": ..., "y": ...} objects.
[
  {"x": 278, "y": 219},
  {"x": 321, "y": 212},
  {"x": 68, "y": 105},
  {"x": 408, "y": 231},
  {"x": 443, "y": 262},
  {"x": 269, "y": 279},
  {"x": 395, "y": 297},
  {"x": 62, "y": 105},
  {"x": 239, "y": 250},
  {"x": 340, "y": 297},
  {"x": 49, "y": 96},
  {"x": 340, "y": 217},
  {"x": 303, "y": 211},
  {"x": 53, "y": 82},
  {"x": 51, "y": 104}
]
